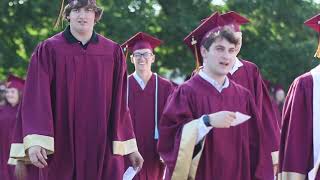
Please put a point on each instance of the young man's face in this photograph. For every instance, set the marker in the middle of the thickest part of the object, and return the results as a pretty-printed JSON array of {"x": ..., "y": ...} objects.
[
  {"x": 219, "y": 58},
  {"x": 82, "y": 20},
  {"x": 142, "y": 59}
]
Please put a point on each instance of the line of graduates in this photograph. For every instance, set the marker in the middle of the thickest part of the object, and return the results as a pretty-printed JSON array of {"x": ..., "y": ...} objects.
[
  {"x": 13, "y": 90},
  {"x": 80, "y": 112}
]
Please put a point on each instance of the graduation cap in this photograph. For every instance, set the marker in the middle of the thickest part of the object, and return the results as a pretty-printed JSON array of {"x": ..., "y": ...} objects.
[
  {"x": 15, "y": 82},
  {"x": 212, "y": 24},
  {"x": 141, "y": 40},
  {"x": 314, "y": 23},
  {"x": 234, "y": 20},
  {"x": 58, "y": 20}
]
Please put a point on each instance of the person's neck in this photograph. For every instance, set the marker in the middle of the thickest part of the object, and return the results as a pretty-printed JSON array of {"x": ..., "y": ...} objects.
[
  {"x": 219, "y": 78},
  {"x": 82, "y": 37},
  {"x": 144, "y": 75}
]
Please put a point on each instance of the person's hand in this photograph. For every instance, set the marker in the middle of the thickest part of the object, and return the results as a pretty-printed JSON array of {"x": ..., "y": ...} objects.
[
  {"x": 38, "y": 156},
  {"x": 20, "y": 170},
  {"x": 136, "y": 160},
  {"x": 222, "y": 119}
]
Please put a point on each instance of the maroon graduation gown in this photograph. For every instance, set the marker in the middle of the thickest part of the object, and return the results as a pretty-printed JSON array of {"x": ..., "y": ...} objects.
[
  {"x": 296, "y": 150},
  {"x": 249, "y": 77},
  {"x": 8, "y": 116},
  {"x": 78, "y": 97},
  {"x": 142, "y": 109},
  {"x": 235, "y": 153}
]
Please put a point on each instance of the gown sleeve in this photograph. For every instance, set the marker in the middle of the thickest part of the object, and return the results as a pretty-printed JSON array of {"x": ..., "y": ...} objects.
[
  {"x": 123, "y": 138},
  {"x": 34, "y": 124}
]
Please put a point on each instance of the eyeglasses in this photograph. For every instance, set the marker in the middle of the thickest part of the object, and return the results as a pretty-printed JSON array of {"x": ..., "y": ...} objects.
[{"x": 145, "y": 55}]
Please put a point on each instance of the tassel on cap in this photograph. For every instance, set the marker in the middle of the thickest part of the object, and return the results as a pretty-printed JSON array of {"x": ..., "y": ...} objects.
[
  {"x": 59, "y": 19},
  {"x": 314, "y": 23},
  {"x": 194, "y": 43},
  {"x": 317, "y": 54}
]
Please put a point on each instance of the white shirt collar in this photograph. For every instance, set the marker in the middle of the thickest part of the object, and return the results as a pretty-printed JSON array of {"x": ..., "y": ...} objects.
[
  {"x": 139, "y": 80},
  {"x": 213, "y": 82},
  {"x": 236, "y": 66}
]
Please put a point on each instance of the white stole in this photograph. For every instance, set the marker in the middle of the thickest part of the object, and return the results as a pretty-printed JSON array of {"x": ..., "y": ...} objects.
[{"x": 316, "y": 122}]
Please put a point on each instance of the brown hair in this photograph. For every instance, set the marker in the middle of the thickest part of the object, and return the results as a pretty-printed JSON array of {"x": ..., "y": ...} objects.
[
  {"x": 80, "y": 4},
  {"x": 224, "y": 33},
  {"x": 76, "y": 5}
]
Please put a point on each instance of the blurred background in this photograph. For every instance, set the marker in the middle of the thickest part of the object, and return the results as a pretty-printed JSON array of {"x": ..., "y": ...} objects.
[{"x": 275, "y": 39}]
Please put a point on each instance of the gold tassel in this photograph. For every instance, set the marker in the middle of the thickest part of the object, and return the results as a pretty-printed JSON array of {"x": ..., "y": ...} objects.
[
  {"x": 317, "y": 54},
  {"x": 58, "y": 20},
  {"x": 127, "y": 52},
  {"x": 197, "y": 58},
  {"x": 194, "y": 43}
]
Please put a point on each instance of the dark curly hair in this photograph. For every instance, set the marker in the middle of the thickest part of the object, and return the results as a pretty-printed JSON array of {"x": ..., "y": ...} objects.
[
  {"x": 80, "y": 4},
  {"x": 224, "y": 32}
]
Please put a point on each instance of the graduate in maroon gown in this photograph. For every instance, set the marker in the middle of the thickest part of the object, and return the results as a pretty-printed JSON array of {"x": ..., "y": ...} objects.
[
  {"x": 147, "y": 95},
  {"x": 8, "y": 114},
  {"x": 74, "y": 123},
  {"x": 300, "y": 136},
  {"x": 197, "y": 140},
  {"x": 247, "y": 74}
]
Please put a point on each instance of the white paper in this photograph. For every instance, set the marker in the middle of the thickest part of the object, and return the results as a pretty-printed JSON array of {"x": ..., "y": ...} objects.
[
  {"x": 129, "y": 174},
  {"x": 312, "y": 174},
  {"x": 240, "y": 118}
]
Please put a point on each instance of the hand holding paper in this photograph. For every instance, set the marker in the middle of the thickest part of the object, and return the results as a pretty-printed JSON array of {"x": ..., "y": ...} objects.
[
  {"x": 129, "y": 174},
  {"x": 240, "y": 118}
]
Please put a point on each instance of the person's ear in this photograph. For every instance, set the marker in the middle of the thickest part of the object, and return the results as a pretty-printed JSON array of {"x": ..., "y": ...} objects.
[{"x": 203, "y": 52}]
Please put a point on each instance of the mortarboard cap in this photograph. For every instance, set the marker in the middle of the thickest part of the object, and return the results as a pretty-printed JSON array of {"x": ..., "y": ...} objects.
[
  {"x": 234, "y": 20},
  {"x": 141, "y": 40},
  {"x": 211, "y": 24},
  {"x": 15, "y": 82},
  {"x": 314, "y": 23}
]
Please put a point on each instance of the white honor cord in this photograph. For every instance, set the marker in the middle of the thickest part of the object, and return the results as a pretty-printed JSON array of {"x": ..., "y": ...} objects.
[
  {"x": 156, "y": 132},
  {"x": 127, "y": 91}
]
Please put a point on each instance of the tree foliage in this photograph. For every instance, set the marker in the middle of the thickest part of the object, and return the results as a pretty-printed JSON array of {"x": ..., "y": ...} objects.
[{"x": 276, "y": 39}]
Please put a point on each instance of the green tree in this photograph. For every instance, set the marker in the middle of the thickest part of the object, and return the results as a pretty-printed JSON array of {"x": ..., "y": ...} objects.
[{"x": 276, "y": 39}]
